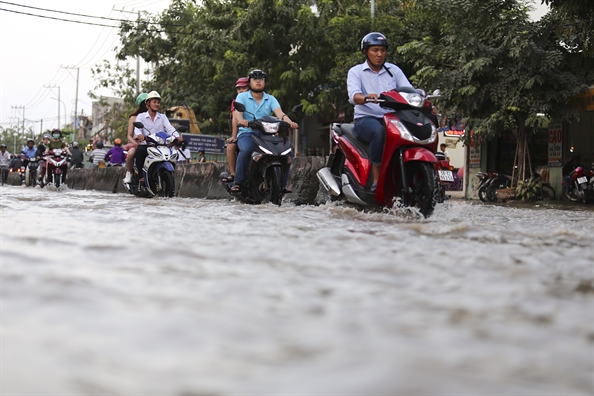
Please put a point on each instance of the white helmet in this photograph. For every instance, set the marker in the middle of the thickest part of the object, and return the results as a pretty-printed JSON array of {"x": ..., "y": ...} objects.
[{"x": 152, "y": 95}]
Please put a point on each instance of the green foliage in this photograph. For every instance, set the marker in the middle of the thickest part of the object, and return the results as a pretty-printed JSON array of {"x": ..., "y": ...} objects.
[
  {"x": 14, "y": 135},
  {"x": 528, "y": 190},
  {"x": 492, "y": 64},
  {"x": 575, "y": 24}
]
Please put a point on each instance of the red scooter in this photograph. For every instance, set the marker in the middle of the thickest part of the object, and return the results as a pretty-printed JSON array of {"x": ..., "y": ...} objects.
[
  {"x": 407, "y": 171},
  {"x": 56, "y": 168}
]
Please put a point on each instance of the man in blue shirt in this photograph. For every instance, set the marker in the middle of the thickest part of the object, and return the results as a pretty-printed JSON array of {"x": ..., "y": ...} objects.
[
  {"x": 30, "y": 151},
  {"x": 367, "y": 81},
  {"x": 260, "y": 104}
]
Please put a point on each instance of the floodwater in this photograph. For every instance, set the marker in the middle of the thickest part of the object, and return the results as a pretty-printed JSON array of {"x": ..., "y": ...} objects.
[{"x": 115, "y": 295}]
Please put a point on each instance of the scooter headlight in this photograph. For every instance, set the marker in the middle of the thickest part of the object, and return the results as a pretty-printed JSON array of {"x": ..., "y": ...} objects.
[
  {"x": 413, "y": 99},
  {"x": 264, "y": 150},
  {"x": 404, "y": 132},
  {"x": 270, "y": 127},
  {"x": 154, "y": 152}
]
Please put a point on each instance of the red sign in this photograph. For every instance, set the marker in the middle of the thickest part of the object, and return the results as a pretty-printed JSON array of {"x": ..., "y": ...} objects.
[{"x": 453, "y": 133}]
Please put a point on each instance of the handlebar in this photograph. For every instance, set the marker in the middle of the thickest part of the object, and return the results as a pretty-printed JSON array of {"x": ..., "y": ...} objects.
[{"x": 378, "y": 100}]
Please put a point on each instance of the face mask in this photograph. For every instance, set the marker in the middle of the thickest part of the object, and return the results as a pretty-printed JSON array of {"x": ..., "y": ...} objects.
[{"x": 56, "y": 136}]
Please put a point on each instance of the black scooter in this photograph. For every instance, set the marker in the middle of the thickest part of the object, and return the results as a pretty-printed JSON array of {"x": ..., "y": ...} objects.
[{"x": 271, "y": 155}]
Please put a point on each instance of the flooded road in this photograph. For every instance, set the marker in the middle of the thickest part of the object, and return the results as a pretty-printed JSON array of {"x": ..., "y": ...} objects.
[{"x": 111, "y": 294}]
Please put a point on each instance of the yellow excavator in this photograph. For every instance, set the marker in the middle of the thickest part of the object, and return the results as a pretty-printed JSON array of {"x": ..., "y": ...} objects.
[{"x": 183, "y": 115}]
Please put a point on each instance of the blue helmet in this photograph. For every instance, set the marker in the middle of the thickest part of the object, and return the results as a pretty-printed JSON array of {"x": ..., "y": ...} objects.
[
  {"x": 373, "y": 38},
  {"x": 200, "y": 149}
]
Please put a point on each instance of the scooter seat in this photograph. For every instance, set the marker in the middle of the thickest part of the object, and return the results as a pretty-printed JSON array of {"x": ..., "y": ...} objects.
[{"x": 347, "y": 132}]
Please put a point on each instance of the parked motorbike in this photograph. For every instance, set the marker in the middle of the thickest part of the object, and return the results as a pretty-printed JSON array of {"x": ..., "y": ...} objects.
[
  {"x": 56, "y": 167},
  {"x": 579, "y": 185},
  {"x": 263, "y": 181},
  {"x": 407, "y": 171},
  {"x": 444, "y": 175},
  {"x": 485, "y": 179},
  {"x": 31, "y": 171},
  {"x": 156, "y": 177}
]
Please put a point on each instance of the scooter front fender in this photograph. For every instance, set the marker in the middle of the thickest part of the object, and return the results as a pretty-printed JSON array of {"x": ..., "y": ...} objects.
[
  {"x": 165, "y": 164},
  {"x": 419, "y": 154}
]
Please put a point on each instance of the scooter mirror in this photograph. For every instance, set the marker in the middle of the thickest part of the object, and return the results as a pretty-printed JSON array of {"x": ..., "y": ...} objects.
[
  {"x": 182, "y": 128},
  {"x": 239, "y": 107},
  {"x": 437, "y": 92},
  {"x": 297, "y": 108},
  {"x": 138, "y": 124}
]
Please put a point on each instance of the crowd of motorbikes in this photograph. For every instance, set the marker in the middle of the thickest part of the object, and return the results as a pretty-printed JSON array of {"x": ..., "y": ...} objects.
[
  {"x": 55, "y": 164},
  {"x": 413, "y": 173}
]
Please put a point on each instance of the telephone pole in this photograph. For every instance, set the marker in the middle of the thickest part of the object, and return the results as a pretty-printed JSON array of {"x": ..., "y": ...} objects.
[
  {"x": 56, "y": 86},
  {"x": 18, "y": 122},
  {"x": 137, "y": 56},
  {"x": 74, "y": 122}
]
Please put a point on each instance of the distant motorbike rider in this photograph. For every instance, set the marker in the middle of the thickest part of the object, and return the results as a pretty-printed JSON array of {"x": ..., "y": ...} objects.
[
  {"x": 4, "y": 161},
  {"x": 30, "y": 152},
  {"x": 201, "y": 157},
  {"x": 77, "y": 158},
  {"x": 56, "y": 142},
  {"x": 116, "y": 156},
  {"x": 98, "y": 156},
  {"x": 259, "y": 104},
  {"x": 367, "y": 81},
  {"x": 44, "y": 143},
  {"x": 153, "y": 122}
]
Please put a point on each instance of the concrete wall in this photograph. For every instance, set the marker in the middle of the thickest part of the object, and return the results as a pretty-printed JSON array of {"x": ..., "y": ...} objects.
[{"x": 202, "y": 180}]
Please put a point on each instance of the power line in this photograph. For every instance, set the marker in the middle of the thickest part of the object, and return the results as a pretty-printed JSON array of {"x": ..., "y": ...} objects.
[
  {"x": 97, "y": 24},
  {"x": 75, "y": 14},
  {"x": 59, "y": 19}
]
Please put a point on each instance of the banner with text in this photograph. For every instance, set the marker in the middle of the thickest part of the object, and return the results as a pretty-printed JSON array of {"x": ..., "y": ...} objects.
[
  {"x": 555, "y": 144},
  {"x": 211, "y": 144}
]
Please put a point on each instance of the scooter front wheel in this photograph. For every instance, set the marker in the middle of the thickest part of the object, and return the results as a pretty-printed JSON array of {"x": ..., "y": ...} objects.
[
  {"x": 422, "y": 182},
  {"x": 273, "y": 185}
]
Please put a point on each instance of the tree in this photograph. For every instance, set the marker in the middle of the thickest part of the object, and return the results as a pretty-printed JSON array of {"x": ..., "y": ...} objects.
[
  {"x": 198, "y": 51},
  {"x": 575, "y": 23},
  {"x": 13, "y": 136},
  {"x": 497, "y": 68}
]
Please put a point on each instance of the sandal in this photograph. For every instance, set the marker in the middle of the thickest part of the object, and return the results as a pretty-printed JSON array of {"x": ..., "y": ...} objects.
[
  {"x": 236, "y": 189},
  {"x": 228, "y": 179}
]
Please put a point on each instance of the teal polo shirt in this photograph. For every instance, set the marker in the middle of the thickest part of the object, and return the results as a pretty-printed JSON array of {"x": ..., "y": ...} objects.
[{"x": 265, "y": 108}]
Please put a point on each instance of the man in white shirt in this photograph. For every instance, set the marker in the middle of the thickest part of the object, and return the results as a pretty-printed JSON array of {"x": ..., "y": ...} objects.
[
  {"x": 4, "y": 162},
  {"x": 153, "y": 122}
]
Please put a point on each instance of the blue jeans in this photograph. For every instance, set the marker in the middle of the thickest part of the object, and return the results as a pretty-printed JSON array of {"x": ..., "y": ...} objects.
[
  {"x": 372, "y": 130},
  {"x": 246, "y": 147}
]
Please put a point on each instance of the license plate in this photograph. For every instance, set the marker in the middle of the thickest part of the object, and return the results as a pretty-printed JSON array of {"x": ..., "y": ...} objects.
[
  {"x": 446, "y": 175},
  {"x": 582, "y": 179}
]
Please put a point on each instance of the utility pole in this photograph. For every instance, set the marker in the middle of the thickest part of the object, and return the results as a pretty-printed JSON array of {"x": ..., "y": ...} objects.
[
  {"x": 18, "y": 119},
  {"x": 137, "y": 56},
  {"x": 56, "y": 86},
  {"x": 372, "y": 14},
  {"x": 74, "y": 122}
]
